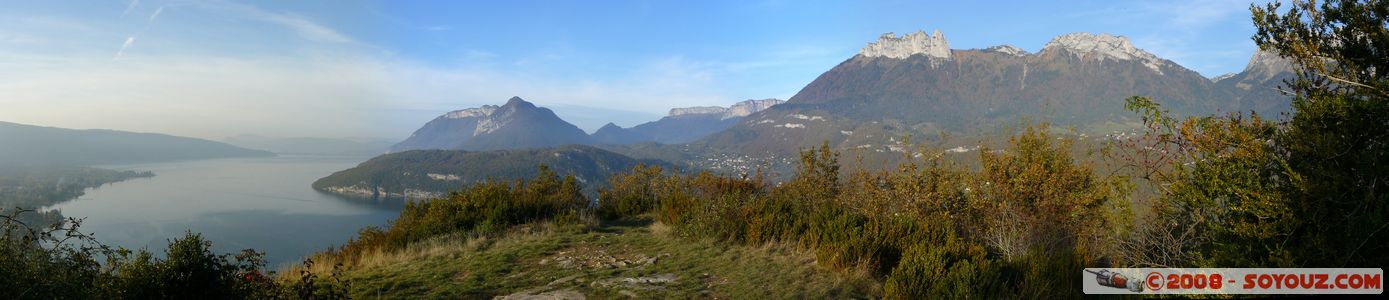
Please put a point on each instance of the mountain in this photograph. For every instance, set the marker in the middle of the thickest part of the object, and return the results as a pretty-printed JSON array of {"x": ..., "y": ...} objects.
[
  {"x": 515, "y": 125},
  {"x": 682, "y": 125},
  {"x": 40, "y": 146},
  {"x": 430, "y": 173},
  {"x": 309, "y": 145},
  {"x": 1260, "y": 81},
  {"x": 915, "y": 84},
  {"x": 611, "y": 134}
]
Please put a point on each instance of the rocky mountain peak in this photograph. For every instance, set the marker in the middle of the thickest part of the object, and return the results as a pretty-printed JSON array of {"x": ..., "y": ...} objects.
[
  {"x": 1267, "y": 63},
  {"x": 516, "y": 124},
  {"x": 889, "y": 45},
  {"x": 489, "y": 118},
  {"x": 750, "y": 106},
  {"x": 1104, "y": 46},
  {"x": 1223, "y": 77},
  {"x": 517, "y": 101},
  {"x": 1007, "y": 49}
]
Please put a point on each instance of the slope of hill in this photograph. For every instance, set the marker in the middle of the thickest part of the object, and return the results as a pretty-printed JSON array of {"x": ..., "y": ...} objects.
[
  {"x": 618, "y": 261},
  {"x": 515, "y": 125},
  {"x": 430, "y": 173},
  {"x": 31, "y": 188},
  {"x": 42, "y": 146},
  {"x": 916, "y": 85},
  {"x": 682, "y": 125}
]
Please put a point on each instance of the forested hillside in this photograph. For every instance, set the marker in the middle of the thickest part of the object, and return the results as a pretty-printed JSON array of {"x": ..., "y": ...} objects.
[{"x": 422, "y": 174}]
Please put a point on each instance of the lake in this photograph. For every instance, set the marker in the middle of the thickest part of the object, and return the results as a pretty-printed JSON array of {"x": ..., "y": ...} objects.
[{"x": 237, "y": 203}]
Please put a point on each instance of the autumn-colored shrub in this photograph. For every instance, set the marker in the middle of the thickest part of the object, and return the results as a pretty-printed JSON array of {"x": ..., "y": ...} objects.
[
  {"x": 481, "y": 209},
  {"x": 929, "y": 228}
]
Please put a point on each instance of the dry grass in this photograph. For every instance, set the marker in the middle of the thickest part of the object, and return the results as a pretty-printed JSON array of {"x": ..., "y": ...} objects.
[
  {"x": 660, "y": 229},
  {"x": 459, "y": 266},
  {"x": 450, "y": 245}
]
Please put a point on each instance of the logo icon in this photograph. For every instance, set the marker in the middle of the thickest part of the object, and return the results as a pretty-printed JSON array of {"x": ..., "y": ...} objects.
[
  {"x": 1116, "y": 280},
  {"x": 1154, "y": 281}
]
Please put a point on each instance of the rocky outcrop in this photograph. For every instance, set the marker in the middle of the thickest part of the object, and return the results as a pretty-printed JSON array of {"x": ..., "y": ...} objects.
[
  {"x": 1263, "y": 66},
  {"x": 1008, "y": 49},
  {"x": 550, "y": 295},
  {"x": 683, "y": 124},
  {"x": 748, "y": 107},
  {"x": 889, "y": 45},
  {"x": 737, "y": 110},
  {"x": 697, "y": 110},
  {"x": 1222, "y": 77},
  {"x": 485, "y": 110},
  {"x": 1102, "y": 47}
]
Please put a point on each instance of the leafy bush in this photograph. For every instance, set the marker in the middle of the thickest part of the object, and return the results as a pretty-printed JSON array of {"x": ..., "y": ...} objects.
[
  {"x": 1045, "y": 198},
  {"x": 928, "y": 229},
  {"x": 38, "y": 263},
  {"x": 484, "y": 208},
  {"x": 632, "y": 193},
  {"x": 60, "y": 262},
  {"x": 1308, "y": 191}
]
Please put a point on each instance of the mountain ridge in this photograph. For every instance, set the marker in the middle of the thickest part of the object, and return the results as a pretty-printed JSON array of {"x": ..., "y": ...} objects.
[
  {"x": 1077, "y": 79},
  {"x": 422, "y": 174},
  {"x": 683, "y": 124},
  {"x": 43, "y": 145}
]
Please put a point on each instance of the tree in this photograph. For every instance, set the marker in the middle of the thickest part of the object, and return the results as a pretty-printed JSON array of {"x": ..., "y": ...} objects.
[
  {"x": 1336, "y": 142},
  {"x": 1312, "y": 191}
]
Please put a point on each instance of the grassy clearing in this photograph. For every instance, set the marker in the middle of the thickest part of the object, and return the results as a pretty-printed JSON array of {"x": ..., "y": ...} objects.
[{"x": 619, "y": 260}]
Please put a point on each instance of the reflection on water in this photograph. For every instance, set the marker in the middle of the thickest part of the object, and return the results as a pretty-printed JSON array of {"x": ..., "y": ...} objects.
[{"x": 261, "y": 203}]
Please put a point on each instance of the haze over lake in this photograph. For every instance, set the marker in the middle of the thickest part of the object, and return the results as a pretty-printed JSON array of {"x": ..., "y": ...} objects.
[{"x": 262, "y": 203}]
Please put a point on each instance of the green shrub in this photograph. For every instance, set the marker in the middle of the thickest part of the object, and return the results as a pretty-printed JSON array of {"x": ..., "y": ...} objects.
[
  {"x": 919, "y": 228},
  {"x": 483, "y": 209},
  {"x": 60, "y": 262},
  {"x": 632, "y": 193}
]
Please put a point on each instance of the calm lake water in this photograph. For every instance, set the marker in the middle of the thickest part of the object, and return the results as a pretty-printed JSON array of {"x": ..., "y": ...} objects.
[{"x": 261, "y": 203}]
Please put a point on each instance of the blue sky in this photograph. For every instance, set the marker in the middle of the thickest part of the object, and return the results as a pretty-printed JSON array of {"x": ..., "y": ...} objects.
[{"x": 382, "y": 68}]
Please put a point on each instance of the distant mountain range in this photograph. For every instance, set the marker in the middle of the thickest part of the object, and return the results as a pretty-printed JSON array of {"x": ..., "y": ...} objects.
[
  {"x": 420, "y": 174},
  {"x": 909, "y": 85},
  {"x": 912, "y": 84},
  {"x": 682, "y": 125},
  {"x": 915, "y": 84},
  {"x": 30, "y": 145},
  {"x": 521, "y": 125}
]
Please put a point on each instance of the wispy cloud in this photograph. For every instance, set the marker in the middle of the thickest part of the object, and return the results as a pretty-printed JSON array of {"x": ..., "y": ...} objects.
[
  {"x": 156, "y": 14},
  {"x": 337, "y": 86},
  {"x": 128, "y": 41},
  {"x": 303, "y": 26},
  {"x": 20, "y": 38},
  {"x": 307, "y": 29},
  {"x": 1196, "y": 33},
  {"x": 130, "y": 7}
]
